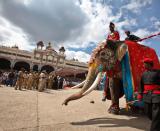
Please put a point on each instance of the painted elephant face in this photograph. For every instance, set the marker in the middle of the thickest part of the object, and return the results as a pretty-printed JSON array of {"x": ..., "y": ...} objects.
[
  {"x": 107, "y": 58},
  {"x": 107, "y": 54}
]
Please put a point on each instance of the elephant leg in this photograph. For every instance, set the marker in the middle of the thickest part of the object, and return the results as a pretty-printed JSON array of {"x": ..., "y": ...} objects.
[
  {"x": 114, "y": 91},
  {"x": 113, "y": 82}
]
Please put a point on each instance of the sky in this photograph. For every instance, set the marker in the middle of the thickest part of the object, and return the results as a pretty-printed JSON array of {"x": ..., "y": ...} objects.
[{"x": 78, "y": 25}]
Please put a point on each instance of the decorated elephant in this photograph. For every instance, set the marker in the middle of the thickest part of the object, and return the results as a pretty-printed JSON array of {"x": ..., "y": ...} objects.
[
  {"x": 105, "y": 57},
  {"x": 122, "y": 60}
]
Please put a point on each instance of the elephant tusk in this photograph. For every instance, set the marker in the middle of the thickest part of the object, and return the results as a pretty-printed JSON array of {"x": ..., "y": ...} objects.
[
  {"x": 94, "y": 85},
  {"x": 79, "y": 85}
]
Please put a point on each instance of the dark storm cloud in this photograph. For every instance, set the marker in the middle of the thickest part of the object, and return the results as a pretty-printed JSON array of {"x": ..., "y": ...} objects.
[{"x": 56, "y": 20}]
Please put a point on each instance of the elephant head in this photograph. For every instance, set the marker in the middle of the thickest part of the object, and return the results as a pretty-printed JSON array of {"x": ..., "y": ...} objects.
[{"x": 103, "y": 58}]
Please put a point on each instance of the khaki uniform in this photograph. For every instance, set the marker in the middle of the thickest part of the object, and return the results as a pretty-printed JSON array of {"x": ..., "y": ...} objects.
[
  {"x": 35, "y": 80},
  {"x": 50, "y": 81},
  {"x": 30, "y": 81},
  {"x": 25, "y": 81},
  {"x": 20, "y": 80},
  {"x": 42, "y": 82}
]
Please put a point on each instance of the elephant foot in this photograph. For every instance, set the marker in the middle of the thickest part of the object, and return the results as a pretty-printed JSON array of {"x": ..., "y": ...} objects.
[
  {"x": 137, "y": 110},
  {"x": 114, "y": 109},
  {"x": 65, "y": 102},
  {"x": 104, "y": 98}
]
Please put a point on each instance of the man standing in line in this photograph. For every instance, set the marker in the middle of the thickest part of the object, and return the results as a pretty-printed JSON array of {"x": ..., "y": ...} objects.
[
  {"x": 35, "y": 80},
  {"x": 150, "y": 92},
  {"x": 20, "y": 79},
  {"x": 42, "y": 81},
  {"x": 25, "y": 79},
  {"x": 30, "y": 81}
]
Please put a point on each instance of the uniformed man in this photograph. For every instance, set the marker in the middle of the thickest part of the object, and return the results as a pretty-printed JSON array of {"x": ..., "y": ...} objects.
[
  {"x": 42, "y": 81},
  {"x": 19, "y": 81},
  {"x": 35, "y": 80},
  {"x": 30, "y": 81},
  {"x": 55, "y": 82},
  {"x": 150, "y": 92},
  {"x": 50, "y": 80},
  {"x": 25, "y": 81}
]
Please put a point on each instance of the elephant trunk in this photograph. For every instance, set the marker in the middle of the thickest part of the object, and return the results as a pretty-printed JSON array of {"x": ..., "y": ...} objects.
[{"x": 88, "y": 82}]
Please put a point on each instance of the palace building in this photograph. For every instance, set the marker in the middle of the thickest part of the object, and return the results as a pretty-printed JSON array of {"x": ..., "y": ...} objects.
[{"x": 41, "y": 58}]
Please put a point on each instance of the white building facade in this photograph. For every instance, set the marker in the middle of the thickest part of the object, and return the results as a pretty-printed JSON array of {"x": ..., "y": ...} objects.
[{"x": 39, "y": 59}]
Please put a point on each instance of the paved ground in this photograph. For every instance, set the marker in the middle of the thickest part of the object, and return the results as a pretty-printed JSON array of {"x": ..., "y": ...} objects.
[{"x": 42, "y": 111}]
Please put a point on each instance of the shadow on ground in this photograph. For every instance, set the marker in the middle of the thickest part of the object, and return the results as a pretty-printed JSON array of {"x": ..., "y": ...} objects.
[
  {"x": 133, "y": 112},
  {"x": 134, "y": 120}
]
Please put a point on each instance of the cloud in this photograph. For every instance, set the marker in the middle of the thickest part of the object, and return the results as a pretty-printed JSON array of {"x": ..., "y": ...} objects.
[
  {"x": 97, "y": 28},
  {"x": 125, "y": 25},
  {"x": 153, "y": 18},
  {"x": 68, "y": 24},
  {"x": 10, "y": 34},
  {"x": 155, "y": 23},
  {"x": 81, "y": 56},
  {"x": 142, "y": 32},
  {"x": 55, "y": 20},
  {"x": 135, "y": 6}
]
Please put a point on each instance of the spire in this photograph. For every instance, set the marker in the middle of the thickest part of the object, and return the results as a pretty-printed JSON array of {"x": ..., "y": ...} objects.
[
  {"x": 62, "y": 49},
  {"x": 49, "y": 46},
  {"x": 40, "y": 44}
]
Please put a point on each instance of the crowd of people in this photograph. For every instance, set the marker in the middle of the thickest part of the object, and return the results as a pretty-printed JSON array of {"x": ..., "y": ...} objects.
[{"x": 32, "y": 80}]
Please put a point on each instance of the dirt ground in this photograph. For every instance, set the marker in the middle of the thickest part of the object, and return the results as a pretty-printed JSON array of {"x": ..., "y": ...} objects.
[{"x": 43, "y": 111}]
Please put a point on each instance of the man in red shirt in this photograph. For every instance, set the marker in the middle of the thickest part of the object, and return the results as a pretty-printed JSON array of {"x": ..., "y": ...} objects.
[
  {"x": 113, "y": 75},
  {"x": 114, "y": 35}
]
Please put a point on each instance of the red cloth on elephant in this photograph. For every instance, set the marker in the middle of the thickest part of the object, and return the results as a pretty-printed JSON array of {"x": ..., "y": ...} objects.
[{"x": 137, "y": 53}]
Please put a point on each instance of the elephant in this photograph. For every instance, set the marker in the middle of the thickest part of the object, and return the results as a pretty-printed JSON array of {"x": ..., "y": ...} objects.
[{"x": 105, "y": 57}]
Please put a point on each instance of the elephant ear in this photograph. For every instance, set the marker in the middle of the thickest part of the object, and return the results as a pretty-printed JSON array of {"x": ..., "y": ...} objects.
[
  {"x": 119, "y": 48},
  {"x": 96, "y": 51},
  {"x": 121, "y": 51}
]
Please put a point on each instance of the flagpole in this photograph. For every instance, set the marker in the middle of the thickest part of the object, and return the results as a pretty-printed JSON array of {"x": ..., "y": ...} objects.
[{"x": 148, "y": 37}]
